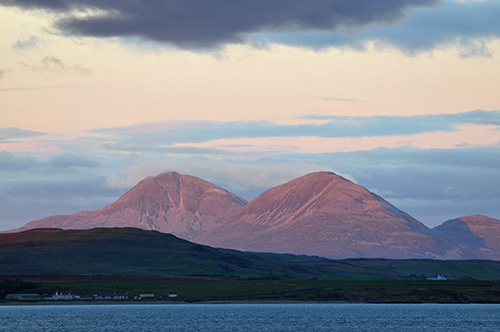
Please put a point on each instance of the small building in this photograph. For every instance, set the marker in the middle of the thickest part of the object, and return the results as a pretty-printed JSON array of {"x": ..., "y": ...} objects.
[
  {"x": 62, "y": 295},
  {"x": 438, "y": 277},
  {"x": 23, "y": 297},
  {"x": 110, "y": 296},
  {"x": 172, "y": 295},
  {"x": 146, "y": 296}
]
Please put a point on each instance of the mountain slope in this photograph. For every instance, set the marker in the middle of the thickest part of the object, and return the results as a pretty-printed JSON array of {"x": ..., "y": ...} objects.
[
  {"x": 324, "y": 214},
  {"x": 170, "y": 202},
  {"x": 480, "y": 235}
]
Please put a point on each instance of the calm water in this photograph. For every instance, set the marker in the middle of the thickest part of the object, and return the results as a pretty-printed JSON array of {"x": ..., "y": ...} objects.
[{"x": 251, "y": 317}]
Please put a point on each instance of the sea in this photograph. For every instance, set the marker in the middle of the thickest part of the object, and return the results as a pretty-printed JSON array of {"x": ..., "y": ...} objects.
[{"x": 250, "y": 317}]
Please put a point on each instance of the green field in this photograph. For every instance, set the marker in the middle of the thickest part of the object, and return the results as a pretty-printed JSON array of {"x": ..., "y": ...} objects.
[{"x": 199, "y": 289}]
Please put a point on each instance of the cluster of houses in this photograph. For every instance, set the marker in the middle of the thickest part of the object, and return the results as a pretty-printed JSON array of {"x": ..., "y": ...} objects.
[
  {"x": 59, "y": 295},
  {"x": 67, "y": 295}
]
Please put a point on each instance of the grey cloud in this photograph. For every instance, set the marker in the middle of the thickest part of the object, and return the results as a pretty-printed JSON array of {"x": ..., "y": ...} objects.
[
  {"x": 474, "y": 48},
  {"x": 67, "y": 160},
  {"x": 52, "y": 64},
  {"x": 162, "y": 149},
  {"x": 34, "y": 187},
  {"x": 31, "y": 42},
  {"x": 206, "y": 24},
  {"x": 434, "y": 212},
  {"x": 245, "y": 177},
  {"x": 12, "y": 133},
  {"x": 469, "y": 25},
  {"x": 56, "y": 187},
  {"x": 2, "y": 74},
  {"x": 38, "y": 196},
  {"x": 11, "y": 162},
  {"x": 149, "y": 134}
]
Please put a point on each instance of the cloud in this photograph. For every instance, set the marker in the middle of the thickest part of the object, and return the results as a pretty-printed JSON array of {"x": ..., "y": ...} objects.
[
  {"x": 468, "y": 25},
  {"x": 66, "y": 160},
  {"x": 143, "y": 137},
  {"x": 12, "y": 162},
  {"x": 2, "y": 73},
  {"x": 410, "y": 25},
  {"x": 34, "y": 186},
  {"x": 207, "y": 24},
  {"x": 464, "y": 136},
  {"x": 247, "y": 178},
  {"x": 162, "y": 149},
  {"x": 451, "y": 23},
  {"x": 13, "y": 133},
  {"x": 89, "y": 171},
  {"x": 38, "y": 195},
  {"x": 31, "y": 42},
  {"x": 472, "y": 48},
  {"x": 52, "y": 64},
  {"x": 451, "y": 191}
]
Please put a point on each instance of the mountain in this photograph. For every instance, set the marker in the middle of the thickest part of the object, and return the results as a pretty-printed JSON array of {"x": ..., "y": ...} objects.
[
  {"x": 319, "y": 214},
  {"x": 326, "y": 215},
  {"x": 183, "y": 205},
  {"x": 478, "y": 234},
  {"x": 132, "y": 251}
]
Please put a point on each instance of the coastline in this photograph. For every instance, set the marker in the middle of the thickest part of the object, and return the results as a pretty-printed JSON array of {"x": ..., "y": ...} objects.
[{"x": 221, "y": 302}]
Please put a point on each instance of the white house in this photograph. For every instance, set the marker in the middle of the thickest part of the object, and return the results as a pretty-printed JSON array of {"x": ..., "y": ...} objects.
[
  {"x": 62, "y": 295},
  {"x": 438, "y": 277}
]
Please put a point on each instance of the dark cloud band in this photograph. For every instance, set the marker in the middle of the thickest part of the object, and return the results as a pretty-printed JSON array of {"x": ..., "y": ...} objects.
[{"x": 206, "y": 24}]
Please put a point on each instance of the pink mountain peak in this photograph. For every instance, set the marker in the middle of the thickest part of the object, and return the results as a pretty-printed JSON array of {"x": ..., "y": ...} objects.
[
  {"x": 324, "y": 214},
  {"x": 169, "y": 202}
]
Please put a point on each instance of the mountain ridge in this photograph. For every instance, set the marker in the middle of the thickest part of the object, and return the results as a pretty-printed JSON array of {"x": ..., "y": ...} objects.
[
  {"x": 319, "y": 214},
  {"x": 324, "y": 214}
]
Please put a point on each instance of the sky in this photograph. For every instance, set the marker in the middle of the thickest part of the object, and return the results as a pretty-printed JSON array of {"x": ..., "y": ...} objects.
[{"x": 399, "y": 96}]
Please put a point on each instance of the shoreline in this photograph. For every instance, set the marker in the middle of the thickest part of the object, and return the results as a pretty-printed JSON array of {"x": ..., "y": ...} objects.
[{"x": 215, "y": 302}]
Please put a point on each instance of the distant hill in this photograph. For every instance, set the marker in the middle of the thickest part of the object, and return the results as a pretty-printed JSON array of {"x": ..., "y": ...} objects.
[
  {"x": 123, "y": 251},
  {"x": 183, "y": 205},
  {"x": 478, "y": 235},
  {"x": 130, "y": 251}
]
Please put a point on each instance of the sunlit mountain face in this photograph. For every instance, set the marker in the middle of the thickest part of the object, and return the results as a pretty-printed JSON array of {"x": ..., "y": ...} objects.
[
  {"x": 170, "y": 202},
  {"x": 319, "y": 214}
]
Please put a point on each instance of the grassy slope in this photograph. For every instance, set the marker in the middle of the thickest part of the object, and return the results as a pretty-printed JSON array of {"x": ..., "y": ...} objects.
[{"x": 128, "y": 251}]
